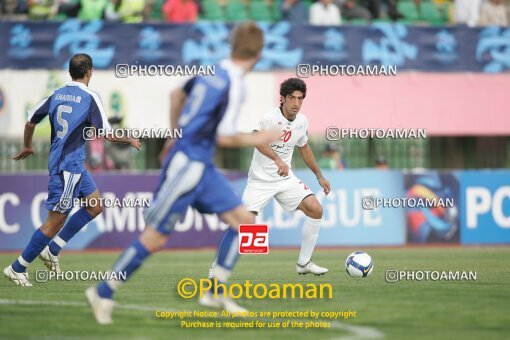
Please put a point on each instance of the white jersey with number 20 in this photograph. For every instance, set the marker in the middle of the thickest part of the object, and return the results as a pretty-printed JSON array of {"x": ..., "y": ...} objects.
[{"x": 294, "y": 133}]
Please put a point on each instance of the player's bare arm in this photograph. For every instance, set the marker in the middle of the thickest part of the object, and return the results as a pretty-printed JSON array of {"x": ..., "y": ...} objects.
[
  {"x": 134, "y": 142},
  {"x": 177, "y": 101},
  {"x": 307, "y": 155},
  {"x": 248, "y": 139},
  {"x": 266, "y": 150},
  {"x": 27, "y": 142}
]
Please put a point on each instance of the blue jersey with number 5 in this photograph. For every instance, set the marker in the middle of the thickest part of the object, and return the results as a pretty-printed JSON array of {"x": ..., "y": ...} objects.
[
  {"x": 71, "y": 109},
  {"x": 211, "y": 108}
]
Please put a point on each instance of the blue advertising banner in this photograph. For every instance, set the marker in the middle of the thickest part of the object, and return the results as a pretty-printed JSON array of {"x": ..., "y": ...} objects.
[
  {"x": 22, "y": 210},
  {"x": 485, "y": 206},
  {"x": 482, "y": 209},
  {"x": 49, "y": 45}
]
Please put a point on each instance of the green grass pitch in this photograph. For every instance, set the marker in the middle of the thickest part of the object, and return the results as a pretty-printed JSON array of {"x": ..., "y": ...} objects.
[{"x": 403, "y": 310}]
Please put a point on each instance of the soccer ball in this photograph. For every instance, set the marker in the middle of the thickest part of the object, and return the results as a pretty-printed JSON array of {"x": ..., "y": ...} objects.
[{"x": 359, "y": 264}]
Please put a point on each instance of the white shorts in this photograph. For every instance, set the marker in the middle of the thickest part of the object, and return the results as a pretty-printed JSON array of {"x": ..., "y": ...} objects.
[{"x": 289, "y": 193}]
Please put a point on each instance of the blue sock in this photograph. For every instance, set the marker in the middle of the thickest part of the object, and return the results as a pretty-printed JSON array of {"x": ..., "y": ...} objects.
[
  {"x": 228, "y": 250},
  {"x": 73, "y": 225},
  {"x": 33, "y": 249},
  {"x": 127, "y": 263},
  {"x": 226, "y": 258}
]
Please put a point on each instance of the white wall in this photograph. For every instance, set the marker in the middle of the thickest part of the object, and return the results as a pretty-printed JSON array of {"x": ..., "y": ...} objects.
[{"x": 146, "y": 100}]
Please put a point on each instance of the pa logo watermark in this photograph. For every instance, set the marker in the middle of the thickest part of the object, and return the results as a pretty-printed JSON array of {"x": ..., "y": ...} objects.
[{"x": 253, "y": 239}]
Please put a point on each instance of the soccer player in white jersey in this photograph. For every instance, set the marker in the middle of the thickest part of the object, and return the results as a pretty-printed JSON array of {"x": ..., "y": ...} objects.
[{"x": 271, "y": 176}]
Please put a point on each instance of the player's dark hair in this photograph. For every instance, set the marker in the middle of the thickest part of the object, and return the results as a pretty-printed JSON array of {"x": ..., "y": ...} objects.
[
  {"x": 292, "y": 84},
  {"x": 79, "y": 65}
]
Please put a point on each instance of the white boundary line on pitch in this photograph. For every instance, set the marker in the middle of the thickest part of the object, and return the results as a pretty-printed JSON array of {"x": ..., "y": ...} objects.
[{"x": 357, "y": 332}]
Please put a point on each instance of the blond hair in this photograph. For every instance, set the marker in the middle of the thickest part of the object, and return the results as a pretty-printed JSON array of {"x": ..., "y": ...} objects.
[{"x": 247, "y": 40}]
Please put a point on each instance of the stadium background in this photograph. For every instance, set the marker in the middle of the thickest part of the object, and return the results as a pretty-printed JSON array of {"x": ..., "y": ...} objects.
[{"x": 452, "y": 80}]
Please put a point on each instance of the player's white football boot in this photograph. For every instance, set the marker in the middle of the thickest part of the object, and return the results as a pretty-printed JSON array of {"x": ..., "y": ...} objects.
[
  {"x": 20, "y": 279},
  {"x": 50, "y": 260},
  {"x": 227, "y": 303},
  {"x": 101, "y": 308},
  {"x": 310, "y": 268}
]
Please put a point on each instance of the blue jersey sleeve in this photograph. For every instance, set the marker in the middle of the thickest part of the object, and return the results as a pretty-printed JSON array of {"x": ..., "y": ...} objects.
[
  {"x": 41, "y": 110},
  {"x": 97, "y": 115}
]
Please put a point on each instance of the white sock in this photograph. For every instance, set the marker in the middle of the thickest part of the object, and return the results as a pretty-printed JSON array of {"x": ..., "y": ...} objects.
[{"x": 309, "y": 238}]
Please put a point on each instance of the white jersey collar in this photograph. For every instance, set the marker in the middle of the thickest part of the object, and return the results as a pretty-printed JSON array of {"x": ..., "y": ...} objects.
[
  {"x": 229, "y": 65},
  {"x": 75, "y": 83}
]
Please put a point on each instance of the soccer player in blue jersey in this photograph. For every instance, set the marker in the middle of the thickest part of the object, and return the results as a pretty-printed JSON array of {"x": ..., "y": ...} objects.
[
  {"x": 207, "y": 109},
  {"x": 71, "y": 109}
]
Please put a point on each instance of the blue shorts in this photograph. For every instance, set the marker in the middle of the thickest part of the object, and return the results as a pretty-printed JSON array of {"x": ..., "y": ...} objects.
[
  {"x": 184, "y": 183},
  {"x": 66, "y": 186}
]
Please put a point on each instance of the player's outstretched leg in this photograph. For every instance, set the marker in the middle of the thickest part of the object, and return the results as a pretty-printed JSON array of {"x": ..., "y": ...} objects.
[
  {"x": 75, "y": 223},
  {"x": 100, "y": 297},
  {"x": 16, "y": 272},
  {"x": 225, "y": 261},
  {"x": 311, "y": 207}
]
